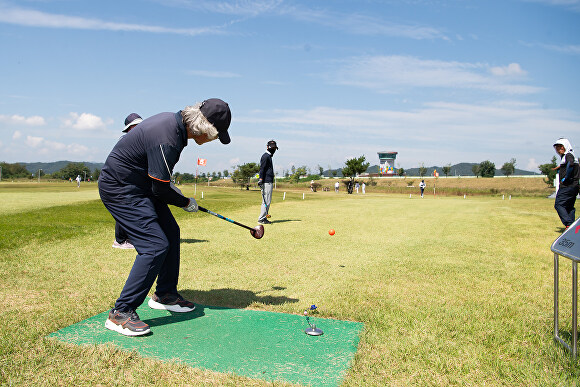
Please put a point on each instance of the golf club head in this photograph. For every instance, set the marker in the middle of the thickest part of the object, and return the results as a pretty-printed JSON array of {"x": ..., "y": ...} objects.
[{"x": 258, "y": 231}]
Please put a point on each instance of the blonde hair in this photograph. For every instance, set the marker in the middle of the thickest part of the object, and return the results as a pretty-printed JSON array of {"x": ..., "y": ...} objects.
[{"x": 196, "y": 123}]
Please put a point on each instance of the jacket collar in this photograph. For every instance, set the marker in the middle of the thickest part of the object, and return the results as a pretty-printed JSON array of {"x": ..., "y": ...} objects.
[{"x": 181, "y": 127}]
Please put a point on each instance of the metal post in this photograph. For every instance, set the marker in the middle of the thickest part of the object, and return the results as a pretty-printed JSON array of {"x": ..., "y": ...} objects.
[
  {"x": 39, "y": 175},
  {"x": 574, "y": 308},
  {"x": 568, "y": 245},
  {"x": 556, "y": 287},
  {"x": 573, "y": 348}
]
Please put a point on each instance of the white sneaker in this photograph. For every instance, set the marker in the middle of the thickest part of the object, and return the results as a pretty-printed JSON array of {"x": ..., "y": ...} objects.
[
  {"x": 171, "y": 302},
  {"x": 125, "y": 245}
]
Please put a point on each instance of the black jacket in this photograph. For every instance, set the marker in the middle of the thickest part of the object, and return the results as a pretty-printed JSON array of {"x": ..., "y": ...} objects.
[{"x": 266, "y": 168}]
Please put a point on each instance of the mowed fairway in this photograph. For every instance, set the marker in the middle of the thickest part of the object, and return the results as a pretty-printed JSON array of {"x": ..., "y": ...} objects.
[{"x": 451, "y": 291}]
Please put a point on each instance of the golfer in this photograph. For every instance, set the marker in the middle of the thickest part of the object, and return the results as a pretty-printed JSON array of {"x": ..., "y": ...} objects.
[
  {"x": 134, "y": 186},
  {"x": 422, "y": 186},
  {"x": 121, "y": 238},
  {"x": 568, "y": 176},
  {"x": 266, "y": 180}
]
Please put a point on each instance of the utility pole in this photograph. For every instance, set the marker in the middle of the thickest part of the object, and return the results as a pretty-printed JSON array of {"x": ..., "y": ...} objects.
[{"x": 39, "y": 175}]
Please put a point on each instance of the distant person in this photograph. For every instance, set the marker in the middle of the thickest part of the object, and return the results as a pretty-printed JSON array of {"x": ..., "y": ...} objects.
[
  {"x": 568, "y": 177},
  {"x": 336, "y": 186},
  {"x": 364, "y": 188},
  {"x": 266, "y": 180},
  {"x": 121, "y": 238},
  {"x": 78, "y": 179},
  {"x": 357, "y": 186},
  {"x": 422, "y": 185},
  {"x": 134, "y": 186}
]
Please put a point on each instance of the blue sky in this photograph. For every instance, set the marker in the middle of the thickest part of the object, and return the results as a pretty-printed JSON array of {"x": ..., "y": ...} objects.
[{"x": 438, "y": 81}]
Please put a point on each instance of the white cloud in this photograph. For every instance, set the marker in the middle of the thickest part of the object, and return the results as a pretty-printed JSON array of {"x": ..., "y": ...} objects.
[
  {"x": 17, "y": 134},
  {"x": 73, "y": 149},
  {"x": 55, "y": 149},
  {"x": 513, "y": 69},
  {"x": 21, "y": 120},
  {"x": 241, "y": 8},
  {"x": 352, "y": 22},
  {"x": 436, "y": 133},
  {"x": 84, "y": 121},
  {"x": 573, "y": 49},
  {"x": 33, "y": 18},
  {"x": 34, "y": 142},
  {"x": 359, "y": 24},
  {"x": 532, "y": 165},
  {"x": 391, "y": 74}
]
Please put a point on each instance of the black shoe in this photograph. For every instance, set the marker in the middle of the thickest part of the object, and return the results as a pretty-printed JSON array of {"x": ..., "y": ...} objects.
[
  {"x": 126, "y": 323},
  {"x": 265, "y": 221},
  {"x": 171, "y": 302}
]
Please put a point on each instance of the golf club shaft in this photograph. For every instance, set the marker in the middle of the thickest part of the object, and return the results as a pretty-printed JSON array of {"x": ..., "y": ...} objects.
[{"x": 224, "y": 218}]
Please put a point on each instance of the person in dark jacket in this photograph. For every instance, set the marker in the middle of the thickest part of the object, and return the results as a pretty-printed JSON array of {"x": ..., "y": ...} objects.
[
  {"x": 266, "y": 180},
  {"x": 568, "y": 177},
  {"x": 135, "y": 187}
]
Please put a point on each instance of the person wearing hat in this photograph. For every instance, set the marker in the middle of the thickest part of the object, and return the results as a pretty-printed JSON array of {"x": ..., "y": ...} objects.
[
  {"x": 568, "y": 178},
  {"x": 121, "y": 239},
  {"x": 266, "y": 180},
  {"x": 134, "y": 186},
  {"x": 131, "y": 121}
]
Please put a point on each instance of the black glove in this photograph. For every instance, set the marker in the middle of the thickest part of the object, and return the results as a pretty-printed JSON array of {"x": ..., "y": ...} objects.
[{"x": 260, "y": 183}]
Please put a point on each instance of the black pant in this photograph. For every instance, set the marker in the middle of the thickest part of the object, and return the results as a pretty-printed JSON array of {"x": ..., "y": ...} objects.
[
  {"x": 153, "y": 231},
  {"x": 120, "y": 234},
  {"x": 564, "y": 204}
]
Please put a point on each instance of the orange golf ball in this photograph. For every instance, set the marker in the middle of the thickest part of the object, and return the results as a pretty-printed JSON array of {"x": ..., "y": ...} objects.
[{"x": 331, "y": 231}]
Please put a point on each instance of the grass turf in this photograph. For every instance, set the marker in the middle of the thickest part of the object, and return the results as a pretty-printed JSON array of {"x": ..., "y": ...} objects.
[
  {"x": 450, "y": 290},
  {"x": 257, "y": 344}
]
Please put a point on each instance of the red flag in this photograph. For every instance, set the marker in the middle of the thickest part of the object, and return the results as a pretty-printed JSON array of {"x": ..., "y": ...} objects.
[{"x": 201, "y": 161}]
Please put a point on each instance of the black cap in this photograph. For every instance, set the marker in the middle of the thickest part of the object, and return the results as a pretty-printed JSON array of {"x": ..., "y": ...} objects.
[
  {"x": 219, "y": 115},
  {"x": 272, "y": 144},
  {"x": 132, "y": 119}
]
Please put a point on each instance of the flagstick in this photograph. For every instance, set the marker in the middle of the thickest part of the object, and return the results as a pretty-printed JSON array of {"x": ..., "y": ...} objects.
[{"x": 195, "y": 189}]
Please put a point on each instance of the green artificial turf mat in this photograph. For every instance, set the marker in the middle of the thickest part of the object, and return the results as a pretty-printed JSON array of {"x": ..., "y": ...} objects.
[{"x": 256, "y": 344}]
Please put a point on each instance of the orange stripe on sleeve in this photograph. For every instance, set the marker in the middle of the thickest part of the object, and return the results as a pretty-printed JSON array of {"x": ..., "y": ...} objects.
[{"x": 154, "y": 178}]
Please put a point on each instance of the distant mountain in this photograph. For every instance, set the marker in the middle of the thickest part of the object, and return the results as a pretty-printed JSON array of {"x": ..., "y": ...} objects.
[
  {"x": 461, "y": 169},
  {"x": 57, "y": 166}
]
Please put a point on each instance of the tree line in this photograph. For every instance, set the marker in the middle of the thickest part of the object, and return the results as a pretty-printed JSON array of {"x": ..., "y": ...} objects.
[
  {"x": 70, "y": 171},
  {"x": 484, "y": 169},
  {"x": 244, "y": 173}
]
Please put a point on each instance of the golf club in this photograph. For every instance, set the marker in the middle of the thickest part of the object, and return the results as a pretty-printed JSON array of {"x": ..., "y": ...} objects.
[{"x": 257, "y": 232}]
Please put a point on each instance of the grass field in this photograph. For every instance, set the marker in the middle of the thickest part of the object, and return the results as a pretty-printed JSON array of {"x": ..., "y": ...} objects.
[
  {"x": 452, "y": 291},
  {"x": 447, "y": 186}
]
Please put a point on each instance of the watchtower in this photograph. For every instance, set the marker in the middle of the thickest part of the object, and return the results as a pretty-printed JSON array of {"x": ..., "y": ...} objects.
[{"x": 387, "y": 163}]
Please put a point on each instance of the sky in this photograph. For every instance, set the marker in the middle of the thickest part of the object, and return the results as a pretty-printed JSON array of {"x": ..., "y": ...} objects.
[{"x": 438, "y": 81}]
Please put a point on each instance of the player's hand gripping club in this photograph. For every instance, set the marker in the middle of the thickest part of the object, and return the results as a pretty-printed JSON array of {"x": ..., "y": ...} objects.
[{"x": 192, "y": 206}]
